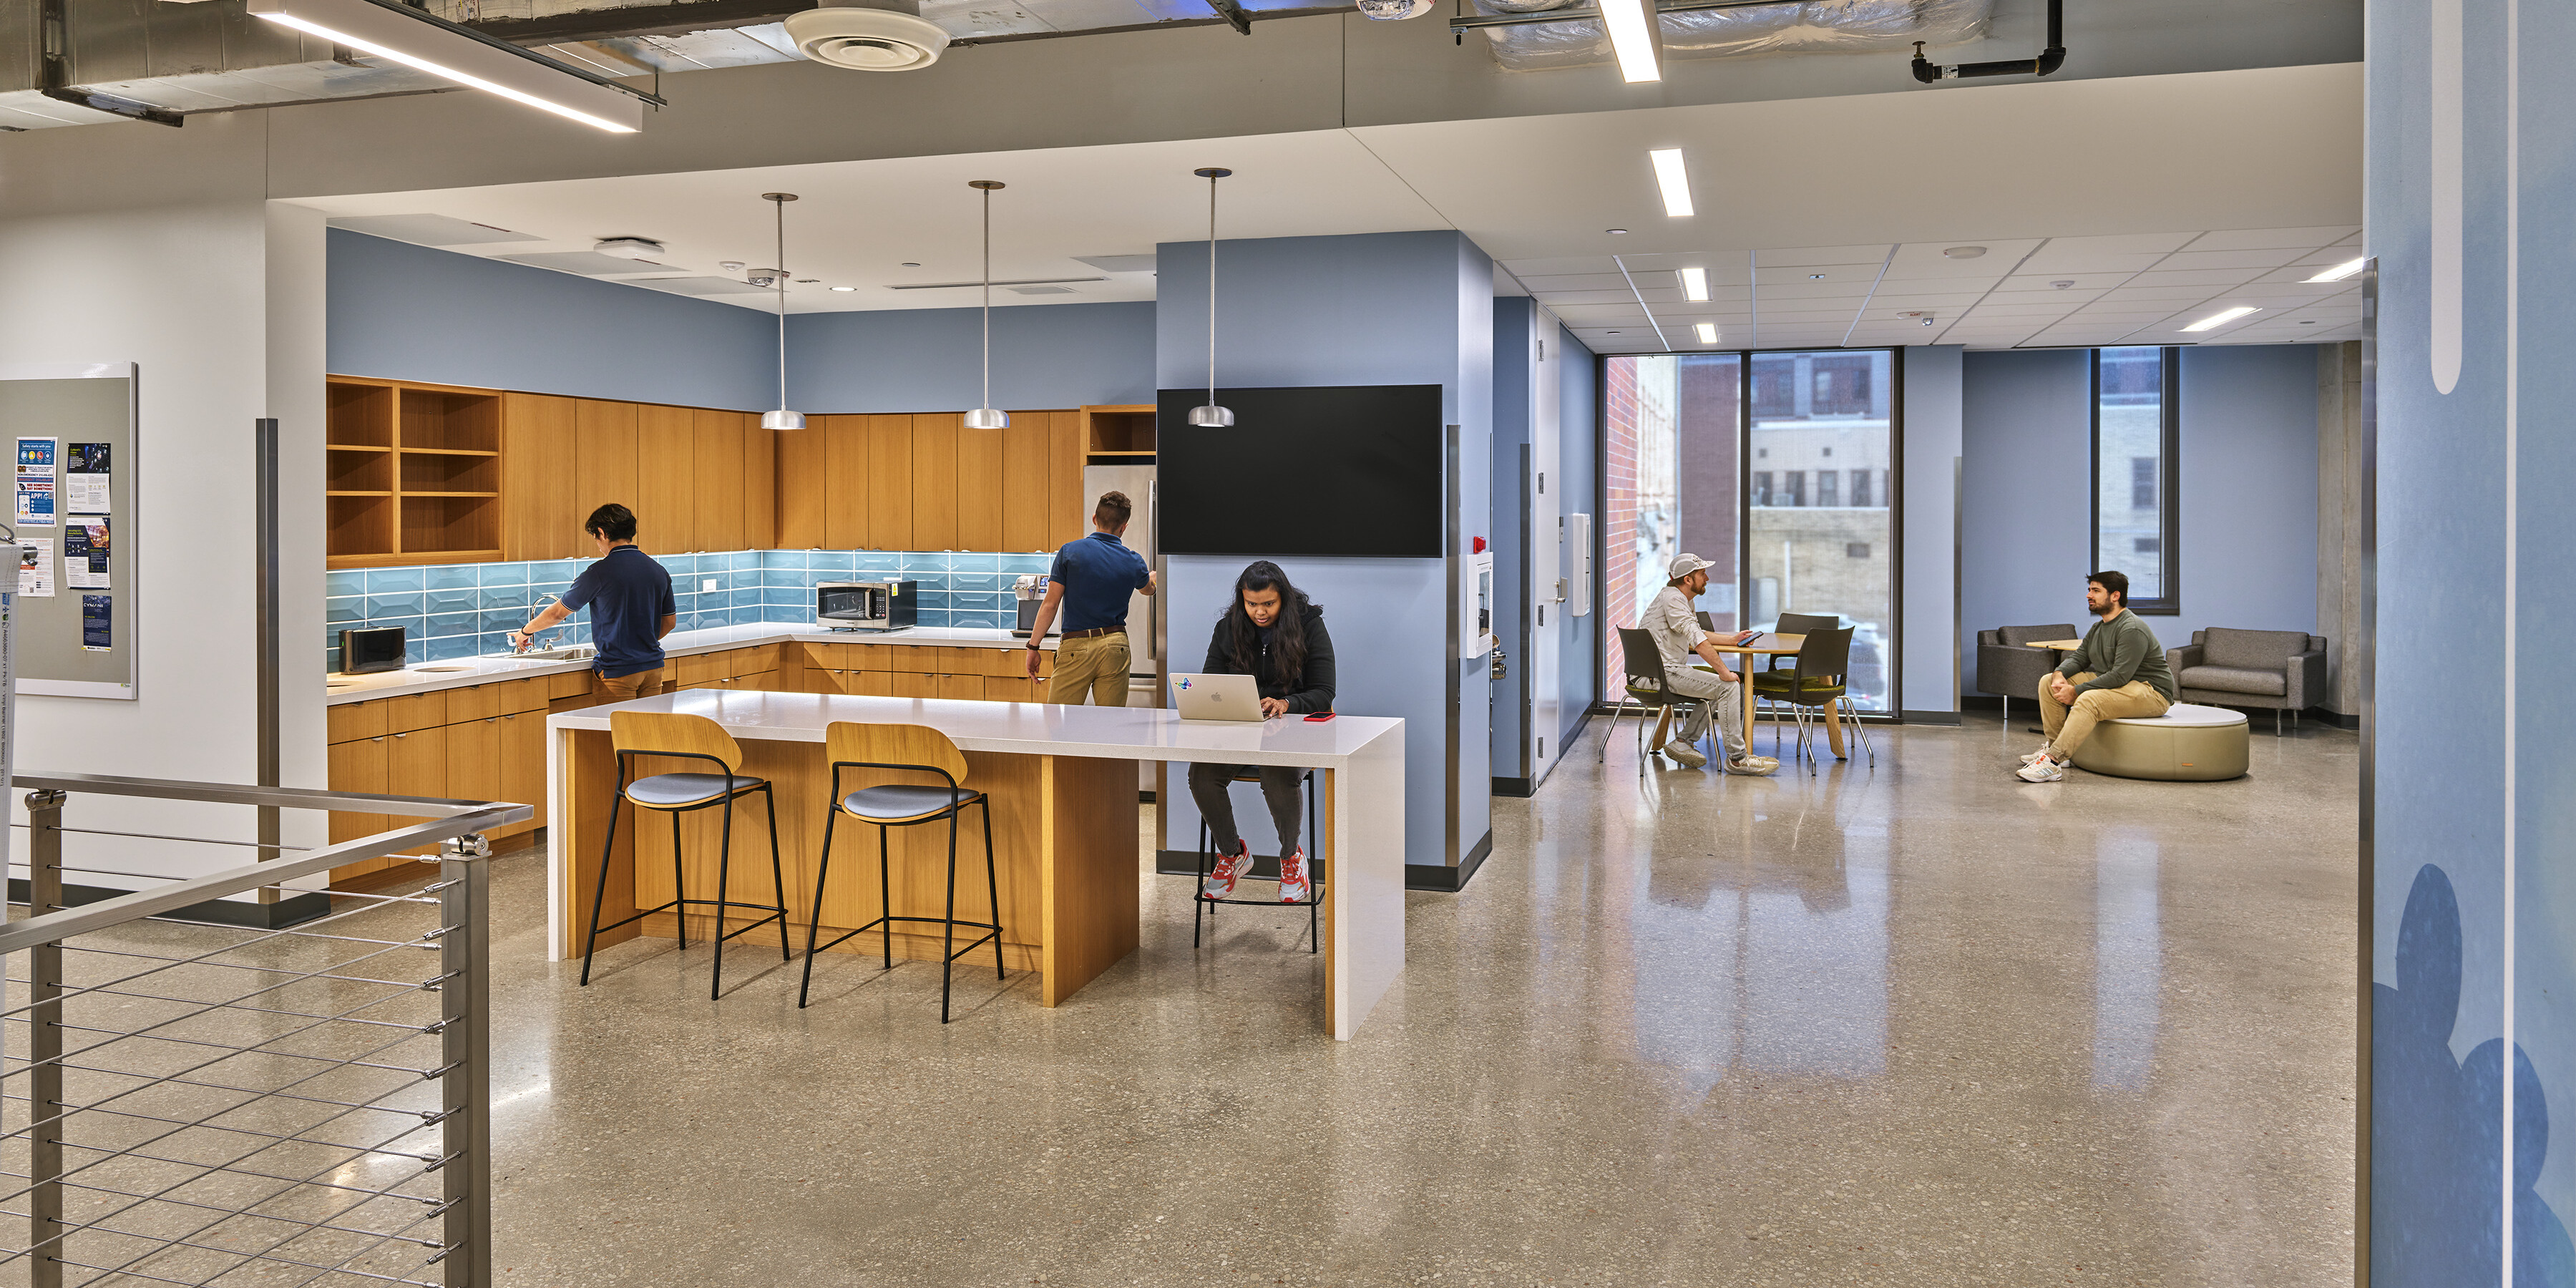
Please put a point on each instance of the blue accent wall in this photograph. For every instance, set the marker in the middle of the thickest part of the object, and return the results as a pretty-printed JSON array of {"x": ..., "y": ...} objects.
[
  {"x": 405, "y": 312},
  {"x": 1578, "y": 433},
  {"x": 1383, "y": 308},
  {"x": 2248, "y": 528},
  {"x": 1053, "y": 355},
  {"x": 2474, "y": 930}
]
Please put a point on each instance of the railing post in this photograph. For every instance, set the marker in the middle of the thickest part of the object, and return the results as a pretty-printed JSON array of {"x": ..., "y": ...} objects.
[
  {"x": 465, "y": 952},
  {"x": 45, "y": 1042}
]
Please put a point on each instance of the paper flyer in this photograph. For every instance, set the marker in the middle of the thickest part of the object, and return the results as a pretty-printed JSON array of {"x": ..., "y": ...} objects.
[
  {"x": 85, "y": 478},
  {"x": 36, "y": 455},
  {"x": 85, "y": 552},
  {"x": 35, "y": 500},
  {"x": 36, "y": 567},
  {"x": 98, "y": 632}
]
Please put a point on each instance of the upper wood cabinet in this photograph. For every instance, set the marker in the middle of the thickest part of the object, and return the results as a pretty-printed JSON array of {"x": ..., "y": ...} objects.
[
  {"x": 412, "y": 473},
  {"x": 666, "y": 480},
  {"x": 540, "y": 505},
  {"x": 720, "y": 469},
  {"x": 926, "y": 482}
]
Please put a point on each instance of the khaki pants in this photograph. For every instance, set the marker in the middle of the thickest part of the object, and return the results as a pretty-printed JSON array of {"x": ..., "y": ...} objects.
[
  {"x": 1719, "y": 701},
  {"x": 1095, "y": 665},
  {"x": 642, "y": 684},
  {"x": 2068, "y": 727}
]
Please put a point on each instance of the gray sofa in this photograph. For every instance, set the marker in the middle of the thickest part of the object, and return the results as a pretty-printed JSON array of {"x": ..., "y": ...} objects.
[
  {"x": 2273, "y": 671},
  {"x": 2008, "y": 665}
]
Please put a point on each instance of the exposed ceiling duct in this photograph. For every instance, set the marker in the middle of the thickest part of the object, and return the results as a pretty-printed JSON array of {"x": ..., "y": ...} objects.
[{"x": 1533, "y": 41}]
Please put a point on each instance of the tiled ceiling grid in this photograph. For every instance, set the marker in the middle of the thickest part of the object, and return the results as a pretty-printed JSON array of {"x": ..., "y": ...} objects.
[{"x": 2138, "y": 288}]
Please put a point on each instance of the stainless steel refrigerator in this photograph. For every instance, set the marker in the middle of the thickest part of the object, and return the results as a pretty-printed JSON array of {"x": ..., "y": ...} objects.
[{"x": 1144, "y": 612}]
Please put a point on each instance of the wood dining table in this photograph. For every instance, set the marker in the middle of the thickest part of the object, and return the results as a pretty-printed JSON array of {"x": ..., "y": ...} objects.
[{"x": 1767, "y": 644}]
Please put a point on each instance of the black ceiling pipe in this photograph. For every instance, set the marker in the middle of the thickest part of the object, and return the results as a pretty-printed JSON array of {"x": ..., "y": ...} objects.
[{"x": 2049, "y": 60}]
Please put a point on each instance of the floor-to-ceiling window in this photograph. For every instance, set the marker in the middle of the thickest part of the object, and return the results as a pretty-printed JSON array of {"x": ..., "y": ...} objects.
[{"x": 1778, "y": 468}]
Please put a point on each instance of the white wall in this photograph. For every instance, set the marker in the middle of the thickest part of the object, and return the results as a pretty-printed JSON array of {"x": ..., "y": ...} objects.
[{"x": 131, "y": 243}]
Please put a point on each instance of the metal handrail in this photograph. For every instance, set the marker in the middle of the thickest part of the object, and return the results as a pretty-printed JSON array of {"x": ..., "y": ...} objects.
[
  {"x": 449, "y": 819},
  {"x": 452, "y": 1225}
]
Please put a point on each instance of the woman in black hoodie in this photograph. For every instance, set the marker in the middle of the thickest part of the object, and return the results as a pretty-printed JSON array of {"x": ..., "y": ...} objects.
[{"x": 1271, "y": 633}]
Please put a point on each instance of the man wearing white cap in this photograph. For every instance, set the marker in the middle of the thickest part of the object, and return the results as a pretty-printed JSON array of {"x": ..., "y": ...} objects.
[{"x": 1675, "y": 626}]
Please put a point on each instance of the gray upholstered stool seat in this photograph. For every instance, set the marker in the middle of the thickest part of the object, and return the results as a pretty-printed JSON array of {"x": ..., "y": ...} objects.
[{"x": 2187, "y": 743}]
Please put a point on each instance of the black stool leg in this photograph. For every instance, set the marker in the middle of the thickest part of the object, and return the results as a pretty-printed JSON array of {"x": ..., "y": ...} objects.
[
  {"x": 813, "y": 924},
  {"x": 993, "y": 889},
  {"x": 679, "y": 884},
  {"x": 1314, "y": 850},
  {"x": 777, "y": 874},
  {"x": 724, "y": 873},
  {"x": 607, "y": 845},
  {"x": 948, "y": 936},
  {"x": 885, "y": 895}
]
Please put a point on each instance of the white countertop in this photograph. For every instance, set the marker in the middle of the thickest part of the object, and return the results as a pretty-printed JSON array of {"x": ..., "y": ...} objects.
[
  {"x": 1032, "y": 728},
  {"x": 484, "y": 670}
]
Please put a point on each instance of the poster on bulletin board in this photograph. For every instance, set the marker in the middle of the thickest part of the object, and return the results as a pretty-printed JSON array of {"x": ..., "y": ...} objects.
[{"x": 77, "y": 602}]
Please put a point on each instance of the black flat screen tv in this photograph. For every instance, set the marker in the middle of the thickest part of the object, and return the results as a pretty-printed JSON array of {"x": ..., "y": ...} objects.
[{"x": 1341, "y": 470}]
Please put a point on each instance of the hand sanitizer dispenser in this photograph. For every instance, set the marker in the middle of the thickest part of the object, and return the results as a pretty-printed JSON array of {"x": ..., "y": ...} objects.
[
  {"x": 1476, "y": 602},
  {"x": 1578, "y": 558}
]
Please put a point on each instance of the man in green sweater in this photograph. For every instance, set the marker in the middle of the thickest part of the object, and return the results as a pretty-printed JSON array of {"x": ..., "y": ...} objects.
[{"x": 2118, "y": 673}]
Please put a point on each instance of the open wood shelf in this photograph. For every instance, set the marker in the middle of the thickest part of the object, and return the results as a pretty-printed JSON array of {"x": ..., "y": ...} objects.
[
  {"x": 361, "y": 413},
  {"x": 359, "y": 525},
  {"x": 1119, "y": 431},
  {"x": 364, "y": 469},
  {"x": 413, "y": 473}
]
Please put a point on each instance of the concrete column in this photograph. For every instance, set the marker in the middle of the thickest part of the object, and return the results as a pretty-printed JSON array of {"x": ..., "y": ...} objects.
[{"x": 2340, "y": 502}]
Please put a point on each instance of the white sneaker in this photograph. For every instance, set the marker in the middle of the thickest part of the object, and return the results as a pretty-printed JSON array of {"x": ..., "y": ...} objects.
[
  {"x": 2045, "y": 769},
  {"x": 2043, "y": 750},
  {"x": 1753, "y": 766},
  {"x": 1685, "y": 753}
]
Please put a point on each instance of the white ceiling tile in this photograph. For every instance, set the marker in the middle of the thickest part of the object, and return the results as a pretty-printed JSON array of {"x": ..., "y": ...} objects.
[
  {"x": 1541, "y": 283},
  {"x": 1524, "y": 269},
  {"x": 1810, "y": 256},
  {"x": 1601, "y": 314},
  {"x": 1554, "y": 298},
  {"x": 2213, "y": 277},
  {"x": 1724, "y": 266},
  {"x": 2270, "y": 238},
  {"x": 2228, "y": 259},
  {"x": 2048, "y": 281},
  {"x": 2114, "y": 244}
]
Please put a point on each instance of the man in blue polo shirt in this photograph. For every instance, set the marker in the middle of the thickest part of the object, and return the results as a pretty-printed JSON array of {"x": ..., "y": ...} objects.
[
  {"x": 1090, "y": 582},
  {"x": 631, "y": 609}
]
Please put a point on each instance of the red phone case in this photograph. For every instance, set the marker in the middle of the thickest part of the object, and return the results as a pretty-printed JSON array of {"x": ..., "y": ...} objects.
[{"x": 1319, "y": 717}]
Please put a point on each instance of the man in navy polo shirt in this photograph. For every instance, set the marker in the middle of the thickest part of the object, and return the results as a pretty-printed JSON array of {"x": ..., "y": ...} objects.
[
  {"x": 1090, "y": 582},
  {"x": 631, "y": 609}
]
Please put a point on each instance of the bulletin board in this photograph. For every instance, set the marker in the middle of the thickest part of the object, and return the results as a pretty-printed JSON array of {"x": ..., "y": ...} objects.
[{"x": 72, "y": 488}]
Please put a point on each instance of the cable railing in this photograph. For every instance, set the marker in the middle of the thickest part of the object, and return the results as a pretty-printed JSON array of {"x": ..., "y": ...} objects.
[{"x": 190, "y": 1101}]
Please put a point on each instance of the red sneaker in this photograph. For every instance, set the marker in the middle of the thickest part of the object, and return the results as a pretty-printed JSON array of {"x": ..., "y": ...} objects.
[
  {"x": 1229, "y": 869},
  {"x": 1294, "y": 885}
]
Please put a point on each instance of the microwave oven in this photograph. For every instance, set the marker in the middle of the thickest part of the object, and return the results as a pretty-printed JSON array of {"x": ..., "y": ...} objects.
[{"x": 866, "y": 605}]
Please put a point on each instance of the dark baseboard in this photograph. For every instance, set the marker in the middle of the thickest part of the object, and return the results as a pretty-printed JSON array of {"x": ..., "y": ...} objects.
[
  {"x": 1929, "y": 717},
  {"x": 1981, "y": 702},
  {"x": 294, "y": 910},
  {"x": 1145, "y": 798},
  {"x": 1417, "y": 876},
  {"x": 2339, "y": 719},
  {"x": 1515, "y": 787}
]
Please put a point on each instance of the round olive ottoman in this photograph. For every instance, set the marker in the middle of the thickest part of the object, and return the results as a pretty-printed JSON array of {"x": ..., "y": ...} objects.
[{"x": 2186, "y": 744}]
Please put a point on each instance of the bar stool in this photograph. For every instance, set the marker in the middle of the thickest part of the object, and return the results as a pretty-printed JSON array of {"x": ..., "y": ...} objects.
[
  {"x": 1207, "y": 856},
  {"x": 686, "y": 737},
  {"x": 909, "y": 749}
]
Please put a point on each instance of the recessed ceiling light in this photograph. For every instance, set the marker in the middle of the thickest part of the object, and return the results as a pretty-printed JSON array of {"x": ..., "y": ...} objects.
[
  {"x": 1695, "y": 284},
  {"x": 1707, "y": 332},
  {"x": 1609, "y": 333},
  {"x": 1674, "y": 179},
  {"x": 845, "y": 288},
  {"x": 910, "y": 264},
  {"x": 2223, "y": 317},
  {"x": 1616, "y": 232},
  {"x": 1964, "y": 252},
  {"x": 2308, "y": 323},
  {"x": 808, "y": 281},
  {"x": 2062, "y": 285},
  {"x": 1632, "y": 25},
  {"x": 2340, "y": 271}
]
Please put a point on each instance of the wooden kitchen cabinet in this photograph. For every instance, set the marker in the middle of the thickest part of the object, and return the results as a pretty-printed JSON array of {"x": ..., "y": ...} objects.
[
  {"x": 523, "y": 767},
  {"x": 1068, "y": 511},
  {"x": 666, "y": 486},
  {"x": 760, "y": 483},
  {"x": 604, "y": 443},
  {"x": 541, "y": 510},
  {"x": 1025, "y": 471},
  {"x": 890, "y": 508},
  {"x": 416, "y": 765},
  {"x": 720, "y": 465},
  {"x": 357, "y": 765},
  {"x": 934, "y": 482},
  {"x": 846, "y": 503},
  {"x": 800, "y": 464}
]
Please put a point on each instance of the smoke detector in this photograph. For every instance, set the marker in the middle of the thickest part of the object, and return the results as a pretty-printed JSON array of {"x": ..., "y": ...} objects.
[
  {"x": 628, "y": 247},
  {"x": 888, "y": 36}
]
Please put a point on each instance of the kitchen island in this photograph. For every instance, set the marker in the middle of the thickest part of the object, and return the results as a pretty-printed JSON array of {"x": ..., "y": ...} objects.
[{"x": 1064, "y": 825}]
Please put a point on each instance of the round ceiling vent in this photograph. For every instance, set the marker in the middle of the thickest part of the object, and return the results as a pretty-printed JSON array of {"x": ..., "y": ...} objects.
[{"x": 866, "y": 40}]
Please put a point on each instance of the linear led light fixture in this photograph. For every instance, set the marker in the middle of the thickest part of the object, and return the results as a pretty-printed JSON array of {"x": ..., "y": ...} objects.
[
  {"x": 1695, "y": 285},
  {"x": 1635, "y": 37},
  {"x": 468, "y": 57},
  {"x": 1707, "y": 332},
  {"x": 2223, "y": 317},
  {"x": 2340, "y": 271},
  {"x": 1675, "y": 181}
]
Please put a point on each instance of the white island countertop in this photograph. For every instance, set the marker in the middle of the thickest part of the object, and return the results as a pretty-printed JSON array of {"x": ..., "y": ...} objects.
[{"x": 455, "y": 673}]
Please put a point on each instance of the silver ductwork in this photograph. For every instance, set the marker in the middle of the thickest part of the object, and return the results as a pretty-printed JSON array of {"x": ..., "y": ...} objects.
[{"x": 1798, "y": 26}]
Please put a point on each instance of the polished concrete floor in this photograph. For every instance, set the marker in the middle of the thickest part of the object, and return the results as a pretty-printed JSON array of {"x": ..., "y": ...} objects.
[{"x": 1914, "y": 1025}]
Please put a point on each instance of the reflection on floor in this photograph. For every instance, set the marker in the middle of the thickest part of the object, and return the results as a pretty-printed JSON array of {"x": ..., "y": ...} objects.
[{"x": 1919, "y": 1025}]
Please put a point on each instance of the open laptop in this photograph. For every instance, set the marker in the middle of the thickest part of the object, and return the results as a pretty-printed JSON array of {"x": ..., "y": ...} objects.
[{"x": 1216, "y": 697}]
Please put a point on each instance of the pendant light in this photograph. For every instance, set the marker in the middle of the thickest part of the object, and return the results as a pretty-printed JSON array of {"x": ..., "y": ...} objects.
[
  {"x": 781, "y": 418},
  {"x": 1211, "y": 416},
  {"x": 988, "y": 416}
]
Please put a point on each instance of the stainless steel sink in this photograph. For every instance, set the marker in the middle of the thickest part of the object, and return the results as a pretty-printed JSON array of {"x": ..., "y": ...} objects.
[{"x": 566, "y": 653}]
